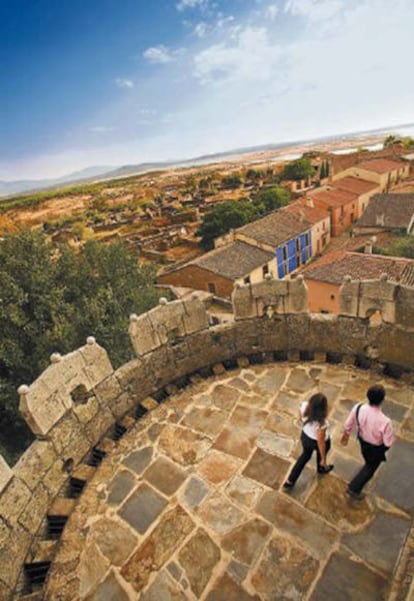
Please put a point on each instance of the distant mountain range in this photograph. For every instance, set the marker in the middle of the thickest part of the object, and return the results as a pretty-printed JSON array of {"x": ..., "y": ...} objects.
[{"x": 100, "y": 173}]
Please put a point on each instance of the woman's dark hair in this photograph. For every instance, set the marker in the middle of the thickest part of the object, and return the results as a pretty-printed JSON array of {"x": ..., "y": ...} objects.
[
  {"x": 317, "y": 408},
  {"x": 376, "y": 394}
]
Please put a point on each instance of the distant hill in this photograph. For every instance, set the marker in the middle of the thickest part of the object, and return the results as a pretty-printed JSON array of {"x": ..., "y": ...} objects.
[
  {"x": 16, "y": 187},
  {"x": 92, "y": 174}
]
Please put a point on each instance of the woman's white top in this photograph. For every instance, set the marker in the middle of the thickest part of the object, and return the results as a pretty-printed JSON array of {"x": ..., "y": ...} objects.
[{"x": 311, "y": 429}]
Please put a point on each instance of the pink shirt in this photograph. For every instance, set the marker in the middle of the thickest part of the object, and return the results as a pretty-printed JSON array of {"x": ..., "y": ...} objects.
[{"x": 374, "y": 426}]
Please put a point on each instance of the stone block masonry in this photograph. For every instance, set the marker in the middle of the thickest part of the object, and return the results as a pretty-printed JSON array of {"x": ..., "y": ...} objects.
[{"x": 79, "y": 397}]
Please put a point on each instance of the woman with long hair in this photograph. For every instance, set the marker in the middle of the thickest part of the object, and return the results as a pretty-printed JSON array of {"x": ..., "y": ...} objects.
[{"x": 314, "y": 437}]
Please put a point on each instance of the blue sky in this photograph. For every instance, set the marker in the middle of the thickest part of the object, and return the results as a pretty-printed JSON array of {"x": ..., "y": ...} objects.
[{"x": 110, "y": 82}]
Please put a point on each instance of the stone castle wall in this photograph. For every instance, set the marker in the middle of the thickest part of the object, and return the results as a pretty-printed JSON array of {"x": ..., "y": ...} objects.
[{"x": 80, "y": 397}]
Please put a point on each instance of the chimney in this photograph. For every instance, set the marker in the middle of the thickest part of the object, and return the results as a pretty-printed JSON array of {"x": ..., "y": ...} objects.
[
  {"x": 309, "y": 202},
  {"x": 369, "y": 245}
]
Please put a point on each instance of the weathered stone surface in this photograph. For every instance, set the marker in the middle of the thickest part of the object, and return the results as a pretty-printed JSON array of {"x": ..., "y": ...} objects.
[
  {"x": 218, "y": 467},
  {"x": 224, "y": 396},
  {"x": 300, "y": 380},
  {"x": 245, "y": 543},
  {"x": 207, "y": 420},
  {"x": 114, "y": 540},
  {"x": 244, "y": 491},
  {"x": 285, "y": 571},
  {"x": 92, "y": 568},
  {"x": 61, "y": 506},
  {"x": 237, "y": 571},
  {"x": 182, "y": 445},
  {"x": 165, "y": 589},
  {"x": 235, "y": 441},
  {"x": 142, "y": 507},
  {"x": 288, "y": 402},
  {"x": 15, "y": 545},
  {"x": 139, "y": 460},
  {"x": 329, "y": 500},
  {"x": 271, "y": 382},
  {"x": 267, "y": 469},
  {"x": 292, "y": 519},
  {"x": 226, "y": 589},
  {"x": 35, "y": 510},
  {"x": 108, "y": 390},
  {"x": 6, "y": 474},
  {"x": 344, "y": 578},
  {"x": 194, "y": 492},
  {"x": 390, "y": 482},
  {"x": 249, "y": 418},
  {"x": 155, "y": 550},
  {"x": 275, "y": 445},
  {"x": 87, "y": 411},
  {"x": 109, "y": 590},
  {"x": 14, "y": 499},
  {"x": 379, "y": 544},
  {"x": 283, "y": 425},
  {"x": 219, "y": 514},
  {"x": 165, "y": 476},
  {"x": 35, "y": 462},
  {"x": 199, "y": 558}
]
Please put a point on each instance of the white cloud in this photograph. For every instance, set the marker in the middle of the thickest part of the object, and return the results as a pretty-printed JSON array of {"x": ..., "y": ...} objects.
[
  {"x": 248, "y": 56},
  {"x": 271, "y": 11},
  {"x": 184, "y": 4},
  {"x": 100, "y": 129},
  {"x": 161, "y": 54},
  {"x": 314, "y": 10},
  {"x": 201, "y": 29},
  {"x": 121, "y": 82}
]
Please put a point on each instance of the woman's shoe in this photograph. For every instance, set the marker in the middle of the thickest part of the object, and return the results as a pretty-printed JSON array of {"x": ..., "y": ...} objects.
[
  {"x": 325, "y": 470},
  {"x": 288, "y": 484}
]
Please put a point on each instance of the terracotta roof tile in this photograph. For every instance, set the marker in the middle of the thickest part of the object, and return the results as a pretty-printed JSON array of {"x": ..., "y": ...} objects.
[
  {"x": 333, "y": 267},
  {"x": 235, "y": 260},
  {"x": 282, "y": 225},
  {"x": 388, "y": 211},
  {"x": 381, "y": 165},
  {"x": 355, "y": 185},
  {"x": 334, "y": 197}
]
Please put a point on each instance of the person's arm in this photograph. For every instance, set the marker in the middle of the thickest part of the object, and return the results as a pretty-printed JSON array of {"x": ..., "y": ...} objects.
[
  {"x": 322, "y": 446},
  {"x": 348, "y": 426},
  {"x": 388, "y": 436}
]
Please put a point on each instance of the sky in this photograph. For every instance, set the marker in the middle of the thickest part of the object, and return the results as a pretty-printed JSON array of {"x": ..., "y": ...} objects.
[{"x": 113, "y": 82}]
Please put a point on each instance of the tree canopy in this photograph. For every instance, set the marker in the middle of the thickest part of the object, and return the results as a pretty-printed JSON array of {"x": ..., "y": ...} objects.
[
  {"x": 51, "y": 300},
  {"x": 224, "y": 217},
  {"x": 270, "y": 199},
  {"x": 298, "y": 169}
]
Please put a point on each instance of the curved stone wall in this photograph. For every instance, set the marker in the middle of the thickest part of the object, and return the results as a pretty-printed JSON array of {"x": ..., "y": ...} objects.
[{"x": 79, "y": 398}]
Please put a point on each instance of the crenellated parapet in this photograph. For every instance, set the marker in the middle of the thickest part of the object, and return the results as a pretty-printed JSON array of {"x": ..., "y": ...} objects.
[
  {"x": 270, "y": 297},
  {"x": 78, "y": 399}
]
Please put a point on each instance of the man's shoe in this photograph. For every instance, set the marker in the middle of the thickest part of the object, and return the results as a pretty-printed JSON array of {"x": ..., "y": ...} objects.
[
  {"x": 358, "y": 496},
  {"x": 325, "y": 470}
]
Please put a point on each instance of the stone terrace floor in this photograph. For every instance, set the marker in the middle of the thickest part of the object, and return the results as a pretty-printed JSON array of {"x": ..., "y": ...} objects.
[{"x": 189, "y": 504}]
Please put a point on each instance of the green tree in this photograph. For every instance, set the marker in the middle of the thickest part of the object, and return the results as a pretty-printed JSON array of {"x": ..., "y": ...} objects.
[
  {"x": 231, "y": 182},
  {"x": 402, "y": 247},
  {"x": 322, "y": 172},
  {"x": 269, "y": 199},
  {"x": 298, "y": 169},
  {"x": 51, "y": 302},
  {"x": 224, "y": 217}
]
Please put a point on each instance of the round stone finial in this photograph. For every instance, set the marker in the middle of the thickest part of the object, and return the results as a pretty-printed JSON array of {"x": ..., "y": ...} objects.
[
  {"x": 300, "y": 277},
  {"x": 268, "y": 276},
  {"x": 91, "y": 340},
  {"x": 384, "y": 277},
  {"x": 133, "y": 317},
  {"x": 347, "y": 279},
  {"x": 237, "y": 286},
  {"x": 163, "y": 301},
  {"x": 55, "y": 357},
  {"x": 23, "y": 389}
]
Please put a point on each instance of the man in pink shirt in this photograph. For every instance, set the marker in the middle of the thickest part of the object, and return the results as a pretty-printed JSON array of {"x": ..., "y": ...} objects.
[{"x": 374, "y": 434}]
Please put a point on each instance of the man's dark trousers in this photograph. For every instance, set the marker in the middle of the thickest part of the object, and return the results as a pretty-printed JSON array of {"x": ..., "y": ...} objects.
[{"x": 373, "y": 456}]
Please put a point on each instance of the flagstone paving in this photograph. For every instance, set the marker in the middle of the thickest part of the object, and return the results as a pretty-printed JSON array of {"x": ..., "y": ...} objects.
[{"x": 190, "y": 505}]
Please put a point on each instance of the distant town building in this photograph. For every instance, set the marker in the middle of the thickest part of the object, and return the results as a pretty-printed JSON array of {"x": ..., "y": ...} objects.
[
  {"x": 388, "y": 212},
  {"x": 382, "y": 171}
]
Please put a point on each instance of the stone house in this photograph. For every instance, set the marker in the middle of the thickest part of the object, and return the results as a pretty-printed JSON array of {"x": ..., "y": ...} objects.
[
  {"x": 219, "y": 270},
  {"x": 388, "y": 212},
  {"x": 364, "y": 189},
  {"x": 325, "y": 276},
  {"x": 384, "y": 172},
  {"x": 294, "y": 234},
  {"x": 342, "y": 205}
]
